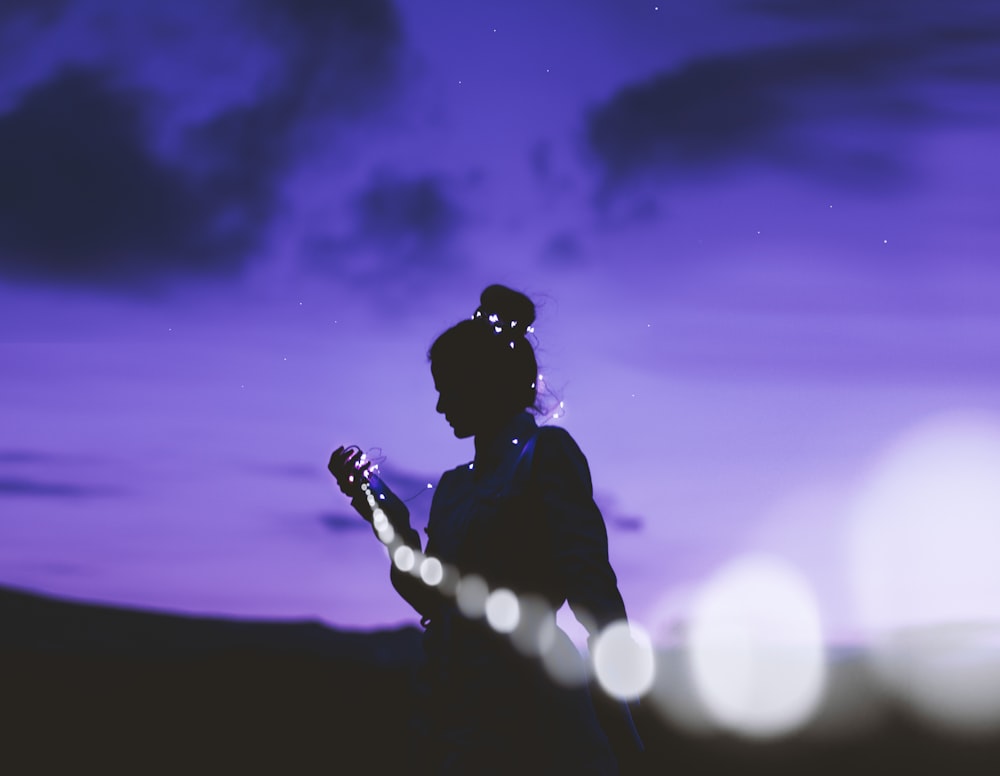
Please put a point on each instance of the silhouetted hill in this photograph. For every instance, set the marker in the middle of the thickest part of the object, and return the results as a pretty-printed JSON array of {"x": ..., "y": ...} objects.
[
  {"x": 115, "y": 690},
  {"x": 47, "y": 625},
  {"x": 120, "y": 690}
]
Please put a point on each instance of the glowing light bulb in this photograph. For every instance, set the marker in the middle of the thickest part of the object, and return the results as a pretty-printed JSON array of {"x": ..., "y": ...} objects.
[
  {"x": 514, "y": 440},
  {"x": 498, "y": 329}
]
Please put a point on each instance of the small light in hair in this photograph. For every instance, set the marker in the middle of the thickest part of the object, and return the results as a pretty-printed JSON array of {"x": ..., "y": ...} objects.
[
  {"x": 494, "y": 318},
  {"x": 514, "y": 440},
  {"x": 512, "y": 344},
  {"x": 498, "y": 329}
]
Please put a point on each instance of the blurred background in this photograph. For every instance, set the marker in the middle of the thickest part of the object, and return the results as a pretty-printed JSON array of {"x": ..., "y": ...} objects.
[{"x": 762, "y": 235}]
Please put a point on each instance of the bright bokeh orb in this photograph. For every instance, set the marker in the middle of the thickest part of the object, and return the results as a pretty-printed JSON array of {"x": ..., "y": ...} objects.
[
  {"x": 755, "y": 645},
  {"x": 470, "y": 595},
  {"x": 502, "y": 610},
  {"x": 924, "y": 547},
  {"x": 925, "y": 528},
  {"x": 431, "y": 571},
  {"x": 403, "y": 557},
  {"x": 624, "y": 663}
]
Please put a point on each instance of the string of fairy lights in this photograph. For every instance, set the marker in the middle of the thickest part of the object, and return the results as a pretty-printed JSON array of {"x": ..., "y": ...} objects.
[{"x": 622, "y": 655}]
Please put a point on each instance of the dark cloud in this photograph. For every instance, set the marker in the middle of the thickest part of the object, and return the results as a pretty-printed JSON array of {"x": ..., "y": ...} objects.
[
  {"x": 798, "y": 105},
  {"x": 406, "y": 215},
  {"x": 957, "y": 40},
  {"x": 19, "y": 486},
  {"x": 400, "y": 225},
  {"x": 340, "y": 56},
  {"x": 88, "y": 198},
  {"x": 83, "y": 200},
  {"x": 44, "y": 11}
]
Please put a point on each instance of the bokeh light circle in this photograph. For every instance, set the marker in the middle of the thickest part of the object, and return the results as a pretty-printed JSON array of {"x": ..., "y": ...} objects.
[
  {"x": 431, "y": 571},
  {"x": 502, "y": 610},
  {"x": 624, "y": 663},
  {"x": 470, "y": 595},
  {"x": 925, "y": 574},
  {"x": 560, "y": 658},
  {"x": 532, "y": 633},
  {"x": 756, "y": 648},
  {"x": 403, "y": 557}
]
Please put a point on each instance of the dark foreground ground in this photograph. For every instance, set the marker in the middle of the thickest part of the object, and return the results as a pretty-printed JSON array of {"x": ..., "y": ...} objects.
[{"x": 101, "y": 690}]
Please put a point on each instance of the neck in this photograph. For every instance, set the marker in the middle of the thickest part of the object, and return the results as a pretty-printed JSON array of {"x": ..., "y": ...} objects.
[{"x": 490, "y": 444}]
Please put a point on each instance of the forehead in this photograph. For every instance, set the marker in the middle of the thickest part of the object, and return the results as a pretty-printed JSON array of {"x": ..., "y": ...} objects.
[{"x": 450, "y": 374}]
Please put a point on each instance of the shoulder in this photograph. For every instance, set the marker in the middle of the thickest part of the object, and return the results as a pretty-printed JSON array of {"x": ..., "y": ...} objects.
[
  {"x": 456, "y": 475},
  {"x": 555, "y": 448}
]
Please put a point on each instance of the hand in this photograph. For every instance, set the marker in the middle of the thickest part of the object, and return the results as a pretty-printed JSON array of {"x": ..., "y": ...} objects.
[{"x": 350, "y": 471}]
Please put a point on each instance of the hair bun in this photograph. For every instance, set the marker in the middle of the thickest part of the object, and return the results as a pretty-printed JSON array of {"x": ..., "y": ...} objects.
[{"x": 509, "y": 304}]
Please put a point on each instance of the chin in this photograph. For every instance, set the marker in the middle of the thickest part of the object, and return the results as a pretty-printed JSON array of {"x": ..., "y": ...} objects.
[{"x": 460, "y": 431}]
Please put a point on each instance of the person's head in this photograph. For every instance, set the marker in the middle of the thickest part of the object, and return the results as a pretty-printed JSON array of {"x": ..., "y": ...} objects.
[{"x": 484, "y": 368}]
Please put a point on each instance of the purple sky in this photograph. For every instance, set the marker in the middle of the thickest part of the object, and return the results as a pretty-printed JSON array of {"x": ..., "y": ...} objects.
[{"x": 763, "y": 236}]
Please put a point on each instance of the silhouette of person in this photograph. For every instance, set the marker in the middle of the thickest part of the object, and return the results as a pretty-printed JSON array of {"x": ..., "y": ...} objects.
[{"x": 521, "y": 517}]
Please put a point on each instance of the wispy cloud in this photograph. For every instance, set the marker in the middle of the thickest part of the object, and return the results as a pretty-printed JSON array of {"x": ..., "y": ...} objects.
[
  {"x": 786, "y": 104},
  {"x": 22, "y": 486}
]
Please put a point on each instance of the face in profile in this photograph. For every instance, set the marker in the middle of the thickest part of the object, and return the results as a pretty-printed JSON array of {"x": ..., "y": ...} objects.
[
  {"x": 469, "y": 406},
  {"x": 456, "y": 400}
]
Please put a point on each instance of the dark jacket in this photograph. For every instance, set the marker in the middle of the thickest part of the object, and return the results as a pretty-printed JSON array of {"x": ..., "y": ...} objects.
[{"x": 522, "y": 517}]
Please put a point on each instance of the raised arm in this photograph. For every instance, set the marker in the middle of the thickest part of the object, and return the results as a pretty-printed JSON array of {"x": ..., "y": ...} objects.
[{"x": 358, "y": 482}]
